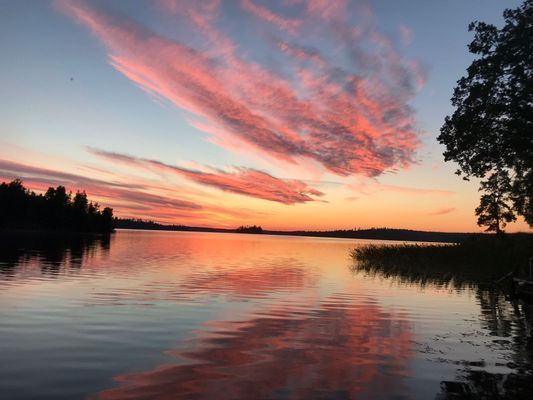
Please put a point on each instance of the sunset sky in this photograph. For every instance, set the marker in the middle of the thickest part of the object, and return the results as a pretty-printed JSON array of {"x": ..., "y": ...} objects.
[{"x": 290, "y": 114}]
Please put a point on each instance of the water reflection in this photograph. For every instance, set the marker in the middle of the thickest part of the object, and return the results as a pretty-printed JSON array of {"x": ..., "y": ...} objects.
[
  {"x": 51, "y": 251},
  {"x": 251, "y": 282},
  {"x": 341, "y": 350},
  {"x": 246, "y": 316},
  {"x": 483, "y": 385},
  {"x": 506, "y": 324},
  {"x": 509, "y": 323},
  {"x": 421, "y": 275}
]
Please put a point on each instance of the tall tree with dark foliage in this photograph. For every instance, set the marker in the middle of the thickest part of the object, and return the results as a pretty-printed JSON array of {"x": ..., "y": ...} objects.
[{"x": 491, "y": 131}]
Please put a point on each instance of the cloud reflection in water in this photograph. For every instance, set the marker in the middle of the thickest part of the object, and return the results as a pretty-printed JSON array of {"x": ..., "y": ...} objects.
[{"x": 336, "y": 350}]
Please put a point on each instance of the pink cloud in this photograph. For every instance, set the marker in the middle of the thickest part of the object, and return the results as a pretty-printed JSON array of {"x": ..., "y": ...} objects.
[
  {"x": 14, "y": 170},
  {"x": 348, "y": 113},
  {"x": 329, "y": 10},
  {"x": 127, "y": 197},
  {"x": 406, "y": 34},
  {"x": 245, "y": 181},
  {"x": 290, "y": 25}
]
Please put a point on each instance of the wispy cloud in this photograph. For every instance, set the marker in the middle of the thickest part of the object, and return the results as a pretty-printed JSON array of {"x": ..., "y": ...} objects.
[
  {"x": 406, "y": 34},
  {"x": 416, "y": 190},
  {"x": 370, "y": 186},
  {"x": 13, "y": 170},
  {"x": 243, "y": 181},
  {"x": 442, "y": 211},
  {"x": 131, "y": 199},
  {"x": 352, "y": 198},
  {"x": 347, "y": 110},
  {"x": 267, "y": 15}
]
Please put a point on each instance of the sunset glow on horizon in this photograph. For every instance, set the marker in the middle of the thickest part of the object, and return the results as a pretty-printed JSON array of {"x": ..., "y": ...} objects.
[{"x": 289, "y": 114}]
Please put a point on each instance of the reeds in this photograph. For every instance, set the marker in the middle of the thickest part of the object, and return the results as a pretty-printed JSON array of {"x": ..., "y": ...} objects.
[{"x": 477, "y": 260}]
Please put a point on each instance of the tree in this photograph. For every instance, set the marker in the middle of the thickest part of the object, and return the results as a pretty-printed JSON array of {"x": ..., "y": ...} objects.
[
  {"x": 249, "y": 229},
  {"x": 13, "y": 200},
  {"x": 107, "y": 222},
  {"x": 491, "y": 130},
  {"x": 21, "y": 208},
  {"x": 80, "y": 203},
  {"x": 494, "y": 211},
  {"x": 58, "y": 196}
]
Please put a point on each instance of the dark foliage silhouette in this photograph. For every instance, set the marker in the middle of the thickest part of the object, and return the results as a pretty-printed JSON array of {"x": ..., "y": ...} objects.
[
  {"x": 138, "y": 223},
  {"x": 57, "y": 209},
  {"x": 383, "y": 234},
  {"x": 372, "y": 233},
  {"x": 490, "y": 134},
  {"x": 494, "y": 211},
  {"x": 481, "y": 258},
  {"x": 249, "y": 229}
]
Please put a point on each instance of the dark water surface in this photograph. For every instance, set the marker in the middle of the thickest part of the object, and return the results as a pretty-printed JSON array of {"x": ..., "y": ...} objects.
[{"x": 148, "y": 315}]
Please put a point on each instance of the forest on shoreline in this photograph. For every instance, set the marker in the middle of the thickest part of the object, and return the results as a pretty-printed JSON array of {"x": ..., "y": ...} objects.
[{"x": 56, "y": 209}]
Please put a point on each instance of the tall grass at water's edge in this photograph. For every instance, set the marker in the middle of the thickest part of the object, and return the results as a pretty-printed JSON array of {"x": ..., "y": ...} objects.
[{"x": 479, "y": 259}]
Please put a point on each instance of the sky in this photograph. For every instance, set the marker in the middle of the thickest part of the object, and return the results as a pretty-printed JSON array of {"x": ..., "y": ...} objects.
[{"x": 290, "y": 114}]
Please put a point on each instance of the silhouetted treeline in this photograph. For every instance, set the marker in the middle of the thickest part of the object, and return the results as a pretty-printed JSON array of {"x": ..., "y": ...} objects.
[
  {"x": 373, "y": 233},
  {"x": 249, "y": 229},
  {"x": 382, "y": 234},
  {"x": 56, "y": 209},
  {"x": 137, "y": 223}
]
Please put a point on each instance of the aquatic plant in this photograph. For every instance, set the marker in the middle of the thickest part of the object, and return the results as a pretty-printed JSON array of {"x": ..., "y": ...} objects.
[{"x": 481, "y": 258}]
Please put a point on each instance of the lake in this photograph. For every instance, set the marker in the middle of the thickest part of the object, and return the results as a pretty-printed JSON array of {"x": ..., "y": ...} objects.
[{"x": 183, "y": 315}]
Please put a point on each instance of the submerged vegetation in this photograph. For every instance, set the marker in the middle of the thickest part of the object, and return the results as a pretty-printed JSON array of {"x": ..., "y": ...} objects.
[
  {"x": 56, "y": 209},
  {"x": 481, "y": 258}
]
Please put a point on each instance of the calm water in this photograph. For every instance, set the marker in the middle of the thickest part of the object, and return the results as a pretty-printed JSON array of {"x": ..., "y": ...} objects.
[{"x": 227, "y": 316}]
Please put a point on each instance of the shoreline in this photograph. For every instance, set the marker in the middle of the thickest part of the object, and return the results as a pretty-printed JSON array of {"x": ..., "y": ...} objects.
[{"x": 396, "y": 235}]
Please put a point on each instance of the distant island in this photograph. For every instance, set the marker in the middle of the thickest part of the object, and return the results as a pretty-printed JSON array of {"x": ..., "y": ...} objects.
[
  {"x": 372, "y": 233},
  {"x": 56, "y": 210},
  {"x": 249, "y": 229}
]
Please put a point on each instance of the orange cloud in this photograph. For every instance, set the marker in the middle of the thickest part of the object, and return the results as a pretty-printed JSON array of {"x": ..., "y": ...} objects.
[
  {"x": 414, "y": 190},
  {"x": 371, "y": 186},
  {"x": 442, "y": 211},
  {"x": 243, "y": 181},
  {"x": 351, "y": 120}
]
